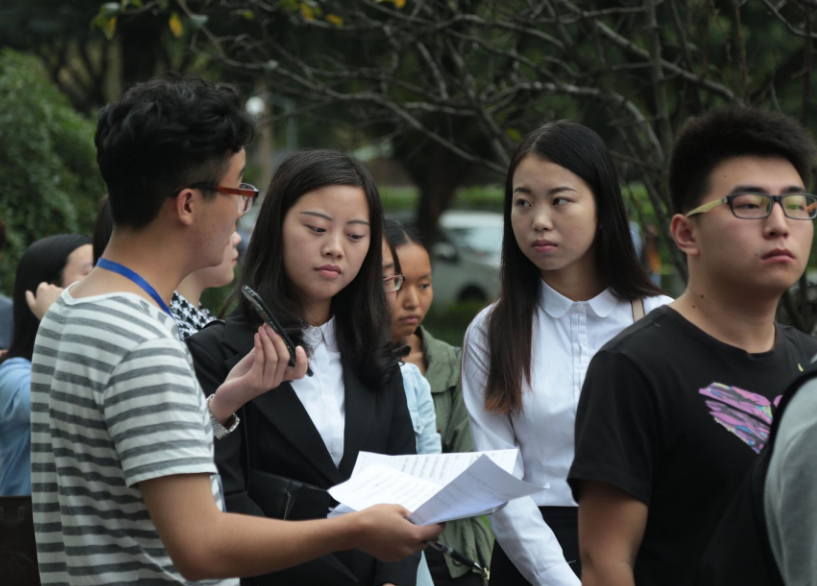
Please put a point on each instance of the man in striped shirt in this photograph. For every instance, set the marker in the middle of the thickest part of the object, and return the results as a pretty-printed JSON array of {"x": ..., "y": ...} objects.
[{"x": 124, "y": 486}]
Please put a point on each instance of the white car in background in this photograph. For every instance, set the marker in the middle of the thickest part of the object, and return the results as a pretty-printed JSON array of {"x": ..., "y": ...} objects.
[{"x": 465, "y": 259}]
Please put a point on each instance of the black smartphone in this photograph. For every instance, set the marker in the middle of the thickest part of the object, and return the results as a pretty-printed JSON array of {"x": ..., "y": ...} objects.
[{"x": 266, "y": 315}]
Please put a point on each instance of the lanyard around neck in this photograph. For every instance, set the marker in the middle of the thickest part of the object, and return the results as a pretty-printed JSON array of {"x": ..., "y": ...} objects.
[{"x": 115, "y": 267}]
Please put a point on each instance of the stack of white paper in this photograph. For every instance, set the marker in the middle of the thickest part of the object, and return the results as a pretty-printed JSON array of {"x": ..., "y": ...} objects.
[{"x": 436, "y": 487}]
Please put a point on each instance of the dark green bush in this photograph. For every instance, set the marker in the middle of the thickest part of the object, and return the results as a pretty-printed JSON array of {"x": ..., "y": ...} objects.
[
  {"x": 449, "y": 322},
  {"x": 50, "y": 181}
]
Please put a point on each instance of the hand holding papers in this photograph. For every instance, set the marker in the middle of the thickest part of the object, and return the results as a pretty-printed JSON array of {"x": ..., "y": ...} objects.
[{"x": 435, "y": 488}]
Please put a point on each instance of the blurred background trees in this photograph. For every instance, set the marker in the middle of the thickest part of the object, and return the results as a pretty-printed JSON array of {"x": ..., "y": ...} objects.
[
  {"x": 50, "y": 179},
  {"x": 437, "y": 93}
]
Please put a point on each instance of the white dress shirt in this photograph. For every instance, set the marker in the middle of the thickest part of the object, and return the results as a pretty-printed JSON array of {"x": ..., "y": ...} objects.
[
  {"x": 323, "y": 395},
  {"x": 566, "y": 336}
]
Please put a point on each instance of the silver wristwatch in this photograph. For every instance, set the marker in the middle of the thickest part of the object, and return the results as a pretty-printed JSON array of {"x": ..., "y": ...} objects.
[{"x": 220, "y": 431}]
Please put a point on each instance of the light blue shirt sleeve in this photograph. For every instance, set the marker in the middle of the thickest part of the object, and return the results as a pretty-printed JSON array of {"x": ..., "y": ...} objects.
[
  {"x": 421, "y": 409},
  {"x": 15, "y": 427},
  {"x": 15, "y": 395}
]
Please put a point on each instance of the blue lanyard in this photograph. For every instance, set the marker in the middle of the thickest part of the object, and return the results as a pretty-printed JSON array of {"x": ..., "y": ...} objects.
[{"x": 115, "y": 267}]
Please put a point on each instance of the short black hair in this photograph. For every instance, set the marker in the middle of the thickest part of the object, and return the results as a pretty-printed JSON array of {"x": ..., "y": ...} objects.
[
  {"x": 163, "y": 135},
  {"x": 103, "y": 228},
  {"x": 706, "y": 141}
]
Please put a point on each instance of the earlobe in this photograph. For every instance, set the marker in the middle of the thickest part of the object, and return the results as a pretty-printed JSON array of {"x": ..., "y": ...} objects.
[{"x": 683, "y": 233}]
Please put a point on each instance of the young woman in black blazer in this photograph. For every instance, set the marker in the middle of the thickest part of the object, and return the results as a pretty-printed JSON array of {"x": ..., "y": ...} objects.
[{"x": 315, "y": 259}]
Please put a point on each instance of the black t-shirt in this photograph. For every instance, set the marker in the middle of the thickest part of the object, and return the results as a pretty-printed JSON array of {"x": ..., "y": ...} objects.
[{"x": 674, "y": 417}]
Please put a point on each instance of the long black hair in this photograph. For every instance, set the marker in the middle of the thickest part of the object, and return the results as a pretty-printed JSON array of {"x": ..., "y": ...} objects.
[
  {"x": 510, "y": 325},
  {"x": 361, "y": 310},
  {"x": 43, "y": 261}
]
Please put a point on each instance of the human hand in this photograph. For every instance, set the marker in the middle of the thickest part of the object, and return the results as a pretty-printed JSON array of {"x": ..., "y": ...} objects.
[
  {"x": 40, "y": 301},
  {"x": 263, "y": 369},
  {"x": 387, "y": 534}
]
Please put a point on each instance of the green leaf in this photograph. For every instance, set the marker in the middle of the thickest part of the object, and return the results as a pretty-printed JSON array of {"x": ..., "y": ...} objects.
[
  {"x": 109, "y": 9},
  {"x": 198, "y": 20},
  {"x": 307, "y": 11},
  {"x": 289, "y": 5},
  {"x": 106, "y": 24},
  {"x": 245, "y": 14}
]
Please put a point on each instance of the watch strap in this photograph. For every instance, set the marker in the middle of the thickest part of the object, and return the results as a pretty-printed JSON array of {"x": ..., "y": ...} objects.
[{"x": 220, "y": 431}]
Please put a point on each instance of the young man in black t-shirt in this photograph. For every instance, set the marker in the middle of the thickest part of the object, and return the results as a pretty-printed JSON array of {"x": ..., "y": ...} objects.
[{"x": 676, "y": 407}]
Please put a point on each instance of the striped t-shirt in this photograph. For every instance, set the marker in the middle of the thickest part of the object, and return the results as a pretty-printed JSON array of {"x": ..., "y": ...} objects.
[{"x": 114, "y": 402}]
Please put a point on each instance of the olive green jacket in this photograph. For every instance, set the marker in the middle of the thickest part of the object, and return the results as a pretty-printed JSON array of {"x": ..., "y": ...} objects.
[{"x": 471, "y": 537}]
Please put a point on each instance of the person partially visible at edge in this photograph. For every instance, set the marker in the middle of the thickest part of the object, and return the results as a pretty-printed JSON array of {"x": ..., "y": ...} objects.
[
  {"x": 315, "y": 258},
  {"x": 47, "y": 265},
  {"x": 6, "y": 310},
  {"x": 418, "y": 391},
  {"x": 570, "y": 282},
  {"x": 675, "y": 409},
  {"x": 124, "y": 483},
  {"x": 185, "y": 304},
  {"x": 439, "y": 362}
]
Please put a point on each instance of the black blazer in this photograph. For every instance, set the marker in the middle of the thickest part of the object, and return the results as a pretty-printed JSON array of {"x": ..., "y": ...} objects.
[{"x": 287, "y": 444}]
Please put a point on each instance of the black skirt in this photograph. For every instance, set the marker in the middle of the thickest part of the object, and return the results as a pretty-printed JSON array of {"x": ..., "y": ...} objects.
[{"x": 564, "y": 521}]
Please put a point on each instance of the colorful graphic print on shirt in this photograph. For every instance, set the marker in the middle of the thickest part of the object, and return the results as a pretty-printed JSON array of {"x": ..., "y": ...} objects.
[{"x": 747, "y": 415}]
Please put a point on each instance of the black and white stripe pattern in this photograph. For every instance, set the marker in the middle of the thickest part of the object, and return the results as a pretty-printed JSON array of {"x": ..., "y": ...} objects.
[{"x": 114, "y": 402}]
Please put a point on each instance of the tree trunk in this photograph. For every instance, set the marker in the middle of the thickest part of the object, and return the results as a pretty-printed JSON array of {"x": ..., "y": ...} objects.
[{"x": 437, "y": 172}]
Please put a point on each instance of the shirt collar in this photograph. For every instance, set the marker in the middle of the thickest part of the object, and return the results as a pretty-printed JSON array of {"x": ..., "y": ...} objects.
[
  {"x": 324, "y": 334},
  {"x": 557, "y": 305}
]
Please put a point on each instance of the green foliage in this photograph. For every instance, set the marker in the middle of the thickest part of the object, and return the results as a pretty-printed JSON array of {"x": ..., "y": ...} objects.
[
  {"x": 51, "y": 183},
  {"x": 481, "y": 197},
  {"x": 449, "y": 322}
]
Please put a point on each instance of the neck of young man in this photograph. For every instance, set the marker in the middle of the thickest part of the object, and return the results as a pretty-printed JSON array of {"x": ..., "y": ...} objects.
[
  {"x": 148, "y": 257},
  {"x": 578, "y": 281},
  {"x": 730, "y": 313}
]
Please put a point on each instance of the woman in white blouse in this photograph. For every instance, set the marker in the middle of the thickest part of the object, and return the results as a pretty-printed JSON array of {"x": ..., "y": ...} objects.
[{"x": 570, "y": 283}]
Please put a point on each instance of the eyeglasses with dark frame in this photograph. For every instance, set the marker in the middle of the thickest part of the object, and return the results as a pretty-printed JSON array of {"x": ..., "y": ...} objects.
[
  {"x": 393, "y": 283},
  {"x": 246, "y": 193},
  {"x": 757, "y": 206}
]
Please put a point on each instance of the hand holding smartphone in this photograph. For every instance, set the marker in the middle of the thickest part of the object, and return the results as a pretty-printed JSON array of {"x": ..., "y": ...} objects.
[{"x": 266, "y": 316}]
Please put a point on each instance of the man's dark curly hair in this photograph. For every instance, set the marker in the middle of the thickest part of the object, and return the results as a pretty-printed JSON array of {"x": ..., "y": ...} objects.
[
  {"x": 708, "y": 140},
  {"x": 163, "y": 135}
]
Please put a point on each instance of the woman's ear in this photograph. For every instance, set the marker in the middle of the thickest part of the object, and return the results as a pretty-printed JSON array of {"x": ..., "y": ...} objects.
[{"x": 683, "y": 231}]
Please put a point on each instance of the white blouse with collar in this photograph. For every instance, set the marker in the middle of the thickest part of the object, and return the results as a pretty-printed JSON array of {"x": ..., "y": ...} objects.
[
  {"x": 323, "y": 395},
  {"x": 566, "y": 336}
]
